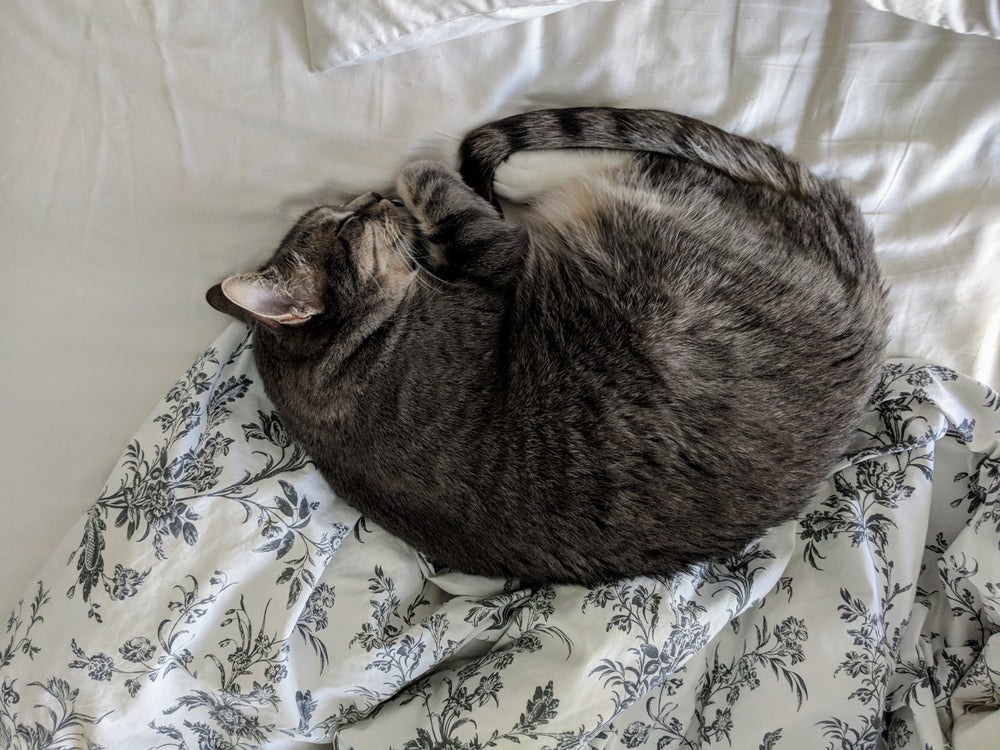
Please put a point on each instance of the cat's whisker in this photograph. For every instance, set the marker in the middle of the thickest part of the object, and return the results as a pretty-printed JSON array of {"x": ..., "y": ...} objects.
[{"x": 399, "y": 244}]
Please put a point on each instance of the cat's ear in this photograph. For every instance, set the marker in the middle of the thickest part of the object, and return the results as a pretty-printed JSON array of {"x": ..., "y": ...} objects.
[
  {"x": 223, "y": 304},
  {"x": 264, "y": 298}
]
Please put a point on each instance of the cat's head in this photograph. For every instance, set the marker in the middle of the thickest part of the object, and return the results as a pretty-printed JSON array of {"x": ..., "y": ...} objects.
[{"x": 335, "y": 264}]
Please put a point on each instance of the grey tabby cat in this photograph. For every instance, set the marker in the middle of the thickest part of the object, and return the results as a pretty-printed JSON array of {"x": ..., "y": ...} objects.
[{"x": 657, "y": 364}]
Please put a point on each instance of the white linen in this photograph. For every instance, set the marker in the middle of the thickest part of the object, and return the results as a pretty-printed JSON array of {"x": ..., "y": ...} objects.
[
  {"x": 963, "y": 16},
  {"x": 347, "y": 32}
]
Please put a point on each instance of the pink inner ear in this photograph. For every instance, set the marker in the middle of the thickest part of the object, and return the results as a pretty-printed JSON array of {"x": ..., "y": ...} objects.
[{"x": 262, "y": 299}]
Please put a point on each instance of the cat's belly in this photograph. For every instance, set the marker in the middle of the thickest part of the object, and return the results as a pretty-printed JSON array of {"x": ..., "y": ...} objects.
[{"x": 527, "y": 174}]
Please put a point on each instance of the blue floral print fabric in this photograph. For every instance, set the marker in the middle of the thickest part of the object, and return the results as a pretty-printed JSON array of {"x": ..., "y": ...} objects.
[{"x": 219, "y": 595}]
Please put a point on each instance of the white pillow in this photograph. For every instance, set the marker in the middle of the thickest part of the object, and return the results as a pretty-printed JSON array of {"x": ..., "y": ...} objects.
[
  {"x": 964, "y": 16},
  {"x": 348, "y": 32}
]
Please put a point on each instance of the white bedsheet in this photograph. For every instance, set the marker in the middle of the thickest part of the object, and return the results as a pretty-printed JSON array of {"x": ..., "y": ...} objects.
[{"x": 149, "y": 149}]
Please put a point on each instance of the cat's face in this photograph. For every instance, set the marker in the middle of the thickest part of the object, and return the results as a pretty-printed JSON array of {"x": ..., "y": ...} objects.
[{"x": 336, "y": 263}]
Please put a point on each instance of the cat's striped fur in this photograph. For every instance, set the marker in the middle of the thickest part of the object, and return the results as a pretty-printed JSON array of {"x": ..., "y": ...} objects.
[{"x": 655, "y": 366}]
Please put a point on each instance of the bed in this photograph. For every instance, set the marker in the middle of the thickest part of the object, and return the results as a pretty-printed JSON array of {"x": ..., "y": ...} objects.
[{"x": 182, "y": 577}]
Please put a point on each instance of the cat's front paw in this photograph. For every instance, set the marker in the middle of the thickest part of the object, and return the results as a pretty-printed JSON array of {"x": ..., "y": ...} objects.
[
  {"x": 419, "y": 177},
  {"x": 432, "y": 192}
]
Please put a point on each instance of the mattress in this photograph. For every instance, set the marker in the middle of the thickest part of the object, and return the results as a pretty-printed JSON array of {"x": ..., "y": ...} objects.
[{"x": 150, "y": 149}]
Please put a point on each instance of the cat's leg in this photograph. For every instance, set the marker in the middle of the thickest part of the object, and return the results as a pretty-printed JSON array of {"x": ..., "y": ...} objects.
[{"x": 468, "y": 232}]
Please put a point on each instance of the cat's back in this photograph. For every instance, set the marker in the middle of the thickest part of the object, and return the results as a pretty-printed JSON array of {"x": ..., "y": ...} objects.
[{"x": 718, "y": 336}]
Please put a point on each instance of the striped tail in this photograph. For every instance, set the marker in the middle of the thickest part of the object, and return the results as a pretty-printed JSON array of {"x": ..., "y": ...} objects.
[{"x": 486, "y": 147}]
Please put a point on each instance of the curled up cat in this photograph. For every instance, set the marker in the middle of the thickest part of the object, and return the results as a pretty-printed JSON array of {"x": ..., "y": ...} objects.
[{"x": 656, "y": 363}]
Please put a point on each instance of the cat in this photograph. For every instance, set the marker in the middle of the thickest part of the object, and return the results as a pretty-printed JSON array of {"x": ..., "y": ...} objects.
[{"x": 657, "y": 363}]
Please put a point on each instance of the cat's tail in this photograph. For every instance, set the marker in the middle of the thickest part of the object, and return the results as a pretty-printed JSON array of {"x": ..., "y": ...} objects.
[{"x": 485, "y": 148}]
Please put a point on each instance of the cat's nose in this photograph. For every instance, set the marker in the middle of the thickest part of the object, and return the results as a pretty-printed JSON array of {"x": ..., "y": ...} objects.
[
  {"x": 364, "y": 201},
  {"x": 322, "y": 215}
]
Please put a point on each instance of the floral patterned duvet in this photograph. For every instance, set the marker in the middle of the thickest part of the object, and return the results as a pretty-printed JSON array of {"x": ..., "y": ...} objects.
[{"x": 218, "y": 595}]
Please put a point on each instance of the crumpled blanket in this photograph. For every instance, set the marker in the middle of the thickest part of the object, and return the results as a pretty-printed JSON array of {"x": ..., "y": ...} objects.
[{"x": 219, "y": 595}]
